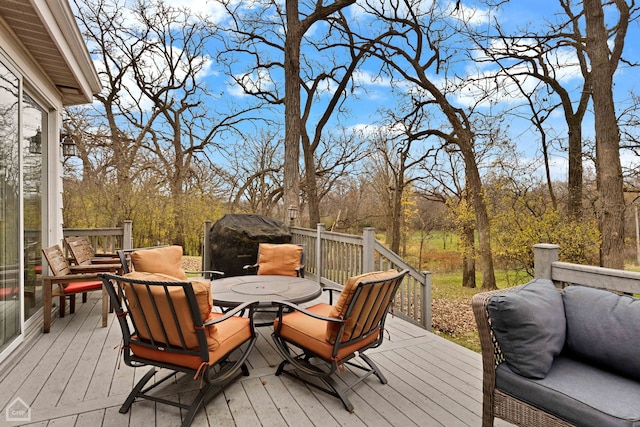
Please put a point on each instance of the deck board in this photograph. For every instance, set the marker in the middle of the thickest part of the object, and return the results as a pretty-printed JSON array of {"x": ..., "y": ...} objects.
[{"x": 73, "y": 377}]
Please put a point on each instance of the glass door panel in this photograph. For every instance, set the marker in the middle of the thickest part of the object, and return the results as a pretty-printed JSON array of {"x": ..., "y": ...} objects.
[
  {"x": 10, "y": 325},
  {"x": 34, "y": 131}
]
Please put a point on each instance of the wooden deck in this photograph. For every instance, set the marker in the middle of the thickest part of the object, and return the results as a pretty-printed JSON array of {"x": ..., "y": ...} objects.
[{"x": 73, "y": 377}]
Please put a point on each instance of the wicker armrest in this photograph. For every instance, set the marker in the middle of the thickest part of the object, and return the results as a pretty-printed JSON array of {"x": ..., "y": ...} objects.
[{"x": 491, "y": 352}]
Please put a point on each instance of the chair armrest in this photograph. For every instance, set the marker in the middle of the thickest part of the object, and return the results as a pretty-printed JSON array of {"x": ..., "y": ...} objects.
[
  {"x": 213, "y": 274},
  {"x": 69, "y": 278},
  {"x": 490, "y": 348},
  {"x": 282, "y": 304},
  {"x": 331, "y": 290},
  {"x": 246, "y": 268},
  {"x": 105, "y": 260},
  {"x": 234, "y": 311},
  {"x": 97, "y": 268}
]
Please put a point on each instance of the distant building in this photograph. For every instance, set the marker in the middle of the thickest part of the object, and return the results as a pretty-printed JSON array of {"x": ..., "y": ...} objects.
[{"x": 44, "y": 65}]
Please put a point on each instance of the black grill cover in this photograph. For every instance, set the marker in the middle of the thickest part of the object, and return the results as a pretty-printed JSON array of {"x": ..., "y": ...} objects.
[{"x": 234, "y": 240}]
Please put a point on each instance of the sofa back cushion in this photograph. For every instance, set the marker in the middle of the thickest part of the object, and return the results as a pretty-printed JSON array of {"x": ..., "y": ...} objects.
[
  {"x": 603, "y": 328},
  {"x": 530, "y": 327}
]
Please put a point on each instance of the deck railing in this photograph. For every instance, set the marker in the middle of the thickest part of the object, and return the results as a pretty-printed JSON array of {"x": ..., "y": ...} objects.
[
  {"x": 334, "y": 257},
  {"x": 331, "y": 258},
  {"x": 105, "y": 240},
  {"x": 547, "y": 266}
]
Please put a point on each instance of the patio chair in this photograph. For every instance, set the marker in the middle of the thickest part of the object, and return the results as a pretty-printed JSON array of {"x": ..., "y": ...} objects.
[
  {"x": 278, "y": 259},
  {"x": 70, "y": 281},
  {"x": 168, "y": 324},
  {"x": 160, "y": 259},
  {"x": 322, "y": 339},
  {"x": 83, "y": 253}
]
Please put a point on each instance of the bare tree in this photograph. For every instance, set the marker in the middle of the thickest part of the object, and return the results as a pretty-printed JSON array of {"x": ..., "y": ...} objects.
[
  {"x": 527, "y": 54},
  {"x": 155, "y": 101},
  {"x": 419, "y": 40},
  {"x": 271, "y": 40},
  {"x": 255, "y": 174}
]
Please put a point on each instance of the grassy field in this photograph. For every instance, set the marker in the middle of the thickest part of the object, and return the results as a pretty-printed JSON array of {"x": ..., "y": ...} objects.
[{"x": 451, "y": 302}]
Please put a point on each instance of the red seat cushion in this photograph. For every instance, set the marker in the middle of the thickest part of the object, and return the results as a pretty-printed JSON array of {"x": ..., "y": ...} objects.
[
  {"x": 8, "y": 292},
  {"x": 76, "y": 287}
]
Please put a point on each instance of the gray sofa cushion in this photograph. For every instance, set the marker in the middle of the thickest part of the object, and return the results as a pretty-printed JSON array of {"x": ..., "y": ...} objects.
[
  {"x": 529, "y": 325},
  {"x": 603, "y": 328},
  {"x": 577, "y": 392}
]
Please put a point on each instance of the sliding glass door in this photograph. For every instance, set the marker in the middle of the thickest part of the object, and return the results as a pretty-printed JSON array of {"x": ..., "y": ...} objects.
[
  {"x": 34, "y": 131},
  {"x": 23, "y": 146},
  {"x": 10, "y": 266}
]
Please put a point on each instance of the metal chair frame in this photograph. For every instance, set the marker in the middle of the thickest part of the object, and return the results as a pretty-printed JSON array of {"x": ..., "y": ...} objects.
[
  {"x": 213, "y": 376},
  {"x": 301, "y": 358}
]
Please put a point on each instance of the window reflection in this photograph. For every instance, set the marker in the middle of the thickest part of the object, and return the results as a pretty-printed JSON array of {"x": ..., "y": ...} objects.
[
  {"x": 34, "y": 127},
  {"x": 9, "y": 208}
]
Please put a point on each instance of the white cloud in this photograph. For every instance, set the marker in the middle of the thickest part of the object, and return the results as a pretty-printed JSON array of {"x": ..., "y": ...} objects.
[{"x": 254, "y": 82}]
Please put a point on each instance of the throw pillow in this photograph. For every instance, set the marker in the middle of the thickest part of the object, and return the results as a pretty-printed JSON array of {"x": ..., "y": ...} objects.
[{"x": 530, "y": 326}]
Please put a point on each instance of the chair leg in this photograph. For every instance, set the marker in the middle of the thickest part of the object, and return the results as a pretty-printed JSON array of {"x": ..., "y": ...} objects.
[
  {"x": 63, "y": 306},
  {"x": 374, "y": 368},
  {"x": 196, "y": 404},
  {"x": 105, "y": 307},
  {"x": 47, "y": 306},
  {"x": 136, "y": 390}
]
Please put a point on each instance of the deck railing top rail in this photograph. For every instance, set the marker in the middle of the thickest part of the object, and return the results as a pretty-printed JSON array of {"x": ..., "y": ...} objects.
[{"x": 547, "y": 266}]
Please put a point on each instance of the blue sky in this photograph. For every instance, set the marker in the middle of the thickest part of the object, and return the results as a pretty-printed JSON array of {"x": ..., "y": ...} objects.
[{"x": 374, "y": 94}]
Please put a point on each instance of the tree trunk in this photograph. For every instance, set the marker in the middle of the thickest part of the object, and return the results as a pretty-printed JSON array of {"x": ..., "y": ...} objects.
[
  {"x": 292, "y": 107},
  {"x": 311, "y": 185},
  {"x": 468, "y": 257},
  {"x": 474, "y": 185},
  {"x": 608, "y": 167},
  {"x": 574, "y": 200}
]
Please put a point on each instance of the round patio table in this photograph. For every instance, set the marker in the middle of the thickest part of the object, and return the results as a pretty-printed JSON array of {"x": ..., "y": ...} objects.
[{"x": 232, "y": 291}]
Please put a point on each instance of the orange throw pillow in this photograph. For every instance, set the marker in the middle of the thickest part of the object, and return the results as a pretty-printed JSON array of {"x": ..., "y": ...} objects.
[
  {"x": 279, "y": 259},
  {"x": 339, "y": 309},
  {"x": 166, "y": 260}
]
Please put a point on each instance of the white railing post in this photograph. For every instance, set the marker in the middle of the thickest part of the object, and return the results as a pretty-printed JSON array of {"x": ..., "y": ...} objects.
[
  {"x": 543, "y": 255},
  {"x": 127, "y": 234},
  {"x": 320, "y": 228},
  {"x": 206, "y": 251},
  {"x": 368, "y": 244},
  {"x": 426, "y": 301}
]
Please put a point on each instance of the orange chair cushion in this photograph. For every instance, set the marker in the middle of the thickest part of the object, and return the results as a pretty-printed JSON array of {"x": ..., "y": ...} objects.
[
  {"x": 279, "y": 259},
  {"x": 339, "y": 309},
  {"x": 310, "y": 333},
  {"x": 75, "y": 287},
  {"x": 229, "y": 335},
  {"x": 166, "y": 260},
  {"x": 139, "y": 302}
]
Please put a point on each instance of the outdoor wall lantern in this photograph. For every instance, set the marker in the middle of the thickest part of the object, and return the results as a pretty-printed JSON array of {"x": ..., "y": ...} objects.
[
  {"x": 35, "y": 143},
  {"x": 293, "y": 213},
  {"x": 68, "y": 146}
]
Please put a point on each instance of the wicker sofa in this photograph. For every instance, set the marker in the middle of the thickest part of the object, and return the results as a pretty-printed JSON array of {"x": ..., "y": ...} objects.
[{"x": 563, "y": 358}]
